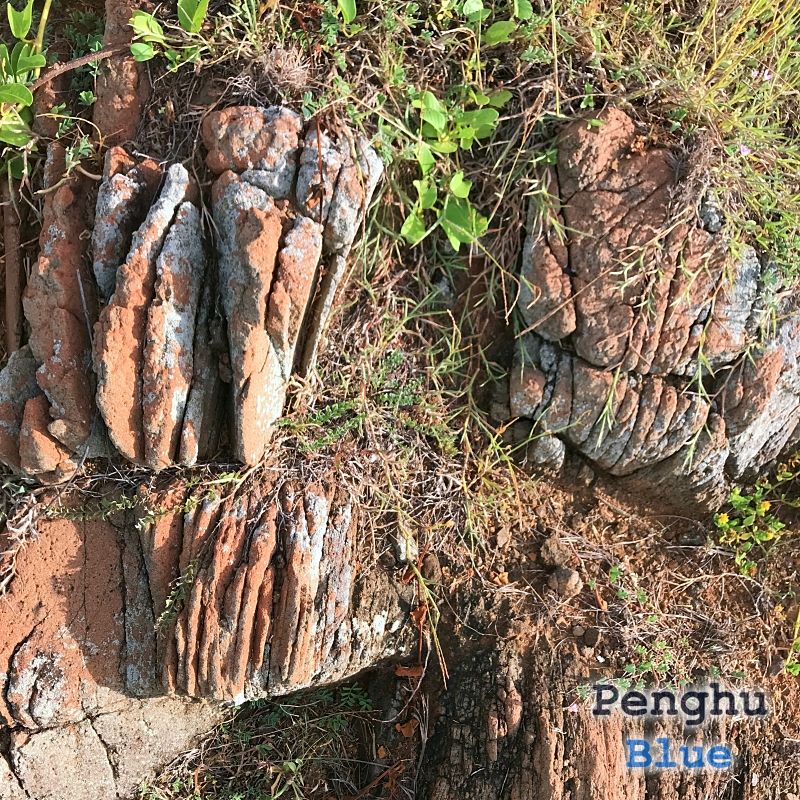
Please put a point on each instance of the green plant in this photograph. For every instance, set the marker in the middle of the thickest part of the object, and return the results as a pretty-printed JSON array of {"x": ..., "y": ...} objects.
[
  {"x": 150, "y": 38},
  {"x": 19, "y": 68},
  {"x": 750, "y": 519}
]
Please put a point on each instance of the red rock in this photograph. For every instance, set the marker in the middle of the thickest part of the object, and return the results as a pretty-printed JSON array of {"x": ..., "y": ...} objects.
[
  {"x": 169, "y": 345},
  {"x": 119, "y": 335},
  {"x": 123, "y": 199},
  {"x": 122, "y": 86},
  {"x": 249, "y": 138},
  {"x": 17, "y": 386},
  {"x": 60, "y": 307},
  {"x": 250, "y": 227},
  {"x": 41, "y": 453}
]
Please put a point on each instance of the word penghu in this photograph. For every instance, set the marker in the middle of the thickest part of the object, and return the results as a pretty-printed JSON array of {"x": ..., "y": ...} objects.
[
  {"x": 696, "y": 706},
  {"x": 660, "y": 754}
]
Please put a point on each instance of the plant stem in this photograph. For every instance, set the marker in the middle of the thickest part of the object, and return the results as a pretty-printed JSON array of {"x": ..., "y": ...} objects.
[{"x": 38, "y": 44}]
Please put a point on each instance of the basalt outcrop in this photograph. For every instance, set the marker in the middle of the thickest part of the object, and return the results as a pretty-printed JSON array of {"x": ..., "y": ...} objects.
[
  {"x": 648, "y": 346},
  {"x": 179, "y": 342}
]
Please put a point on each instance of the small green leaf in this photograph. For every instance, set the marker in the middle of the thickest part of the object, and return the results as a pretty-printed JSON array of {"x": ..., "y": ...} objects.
[
  {"x": 87, "y": 97},
  {"x": 348, "y": 10},
  {"x": 472, "y": 7},
  {"x": 461, "y": 222},
  {"x": 414, "y": 230},
  {"x": 16, "y": 94},
  {"x": 432, "y": 111},
  {"x": 27, "y": 63},
  {"x": 192, "y": 14},
  {"x": 500, "y": 32},
  {"x": 427, "y": 192},
  {"x": 425, "y": 158},
  {"x": 146, "y": 27},
  {"x": 142, "y": 51},
  {"x": 459, "y": 185},
  {"x": 20, "y": 21},
  {"x": 523, "y": 9},
  {"x": 499, "y": 98},
  {"x": 14, "y": 131},
  {"x": 443, "y": 147}
]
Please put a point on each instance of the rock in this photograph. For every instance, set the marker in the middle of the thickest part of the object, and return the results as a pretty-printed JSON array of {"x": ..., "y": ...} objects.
[
  {"x": 592, "y": 637},
  {"x": 44, "y": 772},
  {"x": 566, "y": 582},
  {"x": 41, "y": 454},
  {"x": 124, "y": 196},
  {"x": 546, "y": 452},
  {"x": 60, "y": 307},
  {"x": 578, "y": 631},
  {"x": 169, "y": 346},
  {"x": 315, "y": 188},
  {"x": 17, "y": 386},
  {"x": 122, "y": 86},
  {"x": 355, "y": 185},
  {"x": 263, "y": 142},
  {"x": 711, "y": 215},
  {"x": 554, "y": 552},
  {"x": 201, "y": 428},
  {"x": 250, "y": 229},
  {"x": 640, "y": 347},
  {"x": 120, "y": 332},
  {"x": 294, "y": 283}
]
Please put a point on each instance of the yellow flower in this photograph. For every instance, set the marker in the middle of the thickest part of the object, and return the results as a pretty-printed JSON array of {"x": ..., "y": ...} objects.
[
  {"x": 722, "y": 519},
  {"x": 764, "y": 505}
]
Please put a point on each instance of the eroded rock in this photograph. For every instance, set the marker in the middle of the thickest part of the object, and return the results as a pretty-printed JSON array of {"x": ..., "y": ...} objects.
[
  {"x": 646, "y": 345},
  {"x": 119, "y": 336}
]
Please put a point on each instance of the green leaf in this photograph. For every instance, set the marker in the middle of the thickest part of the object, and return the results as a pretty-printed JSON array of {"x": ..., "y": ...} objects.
[
  {"x": 414, "y": 230},
  {"x": 499, "y": 98},
  {"x": 142, "y": 51},
  {"x": 5, "y": 61},
  {"x": 348, "y": 10},
  {"x": 459, "y": 185},
  {"x": 146, "y": 27},
  {"x": 192, "y": 14},
  {"x": 461, "y": 222},
  {"x": 500, "y": 32},
  {"x": 20, "y": 21},
  {"x": 16, "y": 94},
  {"x": 87, "y": 97},
  {"x": 523, "y": 9},
  {"x": 427, "y": 192},
  {"x": 425, "y": 158},
  {"x": 13, "y": 130},
  {"x": 472, "y": 7},
  {"x": 28, "y": 63},
  {"x": 443, "y": 147},
  {"x": 432, "y": 111}
]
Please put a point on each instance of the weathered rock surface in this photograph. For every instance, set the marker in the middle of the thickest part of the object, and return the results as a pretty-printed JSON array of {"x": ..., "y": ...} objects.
[
  {"x": 147, "y": 372},
  {"x": 122, "y": 85},
  {"x": 125, "y": 195},
  {"x": 60, "y": 306},
  {"x": 223, "y": 598},
  {"x": 169, "y": 346},
  {"x": 286, "y": 225},
  {"x": 17, "y": 386},
  {"x": 644, "y": 347}
]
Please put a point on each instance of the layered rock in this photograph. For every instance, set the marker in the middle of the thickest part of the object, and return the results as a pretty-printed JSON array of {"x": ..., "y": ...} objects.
[
  {"x": 147, "y": 368},
  {"x": 287, "y": 208},
  {"x": 192, "y": 594},
  {"x": 645, "y": 345}
]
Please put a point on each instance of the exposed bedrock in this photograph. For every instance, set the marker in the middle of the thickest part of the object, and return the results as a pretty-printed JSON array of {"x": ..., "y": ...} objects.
[
  {"x": 189, "y": 598},
  {"x": 134, "y": 353},
  {"x": 648, "y": 346}
]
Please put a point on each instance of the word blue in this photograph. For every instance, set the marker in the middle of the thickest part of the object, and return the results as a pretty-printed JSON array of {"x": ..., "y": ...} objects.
[{"x": 643, "y": 754}]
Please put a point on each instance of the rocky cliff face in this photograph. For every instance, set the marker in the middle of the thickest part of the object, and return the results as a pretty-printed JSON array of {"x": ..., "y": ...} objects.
[
  {"x": 647, "y": 345},
  {"x": 133, "y": 348}
]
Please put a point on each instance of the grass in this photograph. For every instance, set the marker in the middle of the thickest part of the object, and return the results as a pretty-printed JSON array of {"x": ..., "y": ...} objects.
[{"x": 299, "y": 745}]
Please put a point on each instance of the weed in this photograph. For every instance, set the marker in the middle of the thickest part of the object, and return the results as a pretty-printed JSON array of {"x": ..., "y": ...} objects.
[{"x": 751, "y": 519}]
